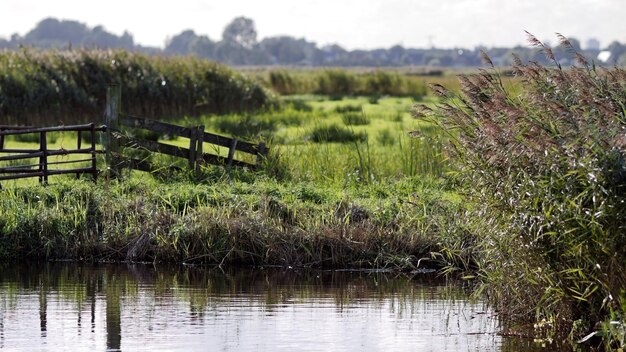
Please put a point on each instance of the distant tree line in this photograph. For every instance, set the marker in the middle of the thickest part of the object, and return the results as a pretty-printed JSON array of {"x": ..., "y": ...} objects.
[{"x": 240, "y": 46}]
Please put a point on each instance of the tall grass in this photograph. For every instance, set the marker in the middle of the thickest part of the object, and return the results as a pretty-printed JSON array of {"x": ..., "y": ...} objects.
[
  {"x": 547, "y": 169},
  {"x": 53, "y": 87}
]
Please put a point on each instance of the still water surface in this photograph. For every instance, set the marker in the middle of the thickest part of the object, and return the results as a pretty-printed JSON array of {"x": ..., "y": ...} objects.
[{"x": 55, "y": 307}]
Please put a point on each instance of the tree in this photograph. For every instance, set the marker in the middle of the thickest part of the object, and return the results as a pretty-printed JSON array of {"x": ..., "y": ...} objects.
[
  {"x": 240, "y": 31},
  {"x": 202, "y": 46},
  {"x": 617, "y": 50},
  {"x": 180, "y": 44},
  {"x": 288, "y": 50},
  {"x": 101, "y": 38},
  {"x": 52, "y": 32}
]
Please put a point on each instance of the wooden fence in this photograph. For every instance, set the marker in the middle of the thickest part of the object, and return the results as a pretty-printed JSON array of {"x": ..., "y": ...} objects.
[
  {"x": 116, "y": 140},
  {"x": 45, "y": 167}
]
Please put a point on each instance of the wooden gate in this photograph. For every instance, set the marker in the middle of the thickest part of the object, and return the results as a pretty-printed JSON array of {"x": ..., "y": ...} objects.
[{"x": 45, "y": 167}]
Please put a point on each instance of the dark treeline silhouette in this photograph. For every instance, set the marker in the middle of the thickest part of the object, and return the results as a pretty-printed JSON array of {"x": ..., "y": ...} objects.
[{"x": 239, "y": 45}]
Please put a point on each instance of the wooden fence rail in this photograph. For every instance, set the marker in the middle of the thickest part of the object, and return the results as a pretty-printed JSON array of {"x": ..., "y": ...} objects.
[{"x": 45, "y": 167}]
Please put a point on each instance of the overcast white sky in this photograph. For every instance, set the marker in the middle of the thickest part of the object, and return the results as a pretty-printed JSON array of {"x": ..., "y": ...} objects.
[{"x": 363, "y": 24}]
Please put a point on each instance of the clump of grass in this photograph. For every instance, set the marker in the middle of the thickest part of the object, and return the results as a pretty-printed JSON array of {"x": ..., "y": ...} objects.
[
  {"x": 335, "y": 133},
  {"x": 391, "y": 83},
  {"x": 336, "y": 83},
  {"x": 355, "y": 119},
  {"x": 299, "y": 105},
  {"x": 253, "y": 126},
  {"x": 385, "y": 137},
  {"x": 549, "y": 172},
  {"x": 282, "y": 82},
  {"x": 246, "y": 126},
  {"x": 374, "y": 99},
  {"x": 348, "y": 108}
]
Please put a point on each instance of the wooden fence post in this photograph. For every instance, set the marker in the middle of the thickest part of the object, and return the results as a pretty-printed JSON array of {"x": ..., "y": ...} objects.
[
  {"x": 78, "y": 145},
  {"x": 193, "y": 146},
  {"x": 199, "y": 152},
  {"x": 111, "y": 120},
  {"x": 261, "y": 154},
  {"x": 94, "y": 166},
  {"x": 231, "y": 151},
  {"x": 43, "y": 159}
]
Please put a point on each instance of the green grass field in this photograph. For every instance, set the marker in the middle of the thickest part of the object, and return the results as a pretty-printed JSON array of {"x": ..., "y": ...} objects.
[{"x": 350, "y": 140}]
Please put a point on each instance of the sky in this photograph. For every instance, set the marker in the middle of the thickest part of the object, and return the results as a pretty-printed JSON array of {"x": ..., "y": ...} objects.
[{"x": 353, "y": 24}]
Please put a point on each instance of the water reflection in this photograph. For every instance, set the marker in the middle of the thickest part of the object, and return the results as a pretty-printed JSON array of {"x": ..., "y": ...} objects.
[{"x": 141, "y": 308}]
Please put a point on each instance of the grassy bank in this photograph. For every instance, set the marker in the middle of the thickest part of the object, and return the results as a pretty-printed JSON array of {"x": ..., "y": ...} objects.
[
  {"x": 548, "y": 167},
  {"x": 259, "y": 221},
  {"x": 44, "y": 87}
]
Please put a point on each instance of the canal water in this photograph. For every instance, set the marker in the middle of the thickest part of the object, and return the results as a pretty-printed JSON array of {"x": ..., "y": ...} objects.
[{"x": 72, "y": 307}]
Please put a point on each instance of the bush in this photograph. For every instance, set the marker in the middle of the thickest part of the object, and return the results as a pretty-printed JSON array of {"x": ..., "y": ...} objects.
[{"x": 548, "y": 168}]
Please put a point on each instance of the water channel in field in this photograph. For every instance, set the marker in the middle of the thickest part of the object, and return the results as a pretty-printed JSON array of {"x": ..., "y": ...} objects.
[{"x": 76, "y": 307}]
